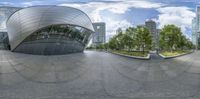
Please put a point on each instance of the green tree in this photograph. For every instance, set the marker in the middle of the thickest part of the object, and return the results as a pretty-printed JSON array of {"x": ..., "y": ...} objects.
[
  {"x": 126, "y": 41},
  {"x": 182, "y": 42},
  {"x": 116, "y": 42},
  {"x": 113, "y": 43},
  {"x": 106, "y": 46},
  {"x": 170, "y": 37},
  {"x": 189, "y": 44},
  {"x": 143, "y": 38},
  {"x": 100, "y": 46},
  {"x": 129, "y": 38},
  {"x": 119, "y": 41}
]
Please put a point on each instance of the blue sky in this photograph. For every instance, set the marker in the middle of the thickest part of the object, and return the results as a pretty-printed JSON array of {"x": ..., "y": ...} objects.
[{"x": 125, "y": 13}]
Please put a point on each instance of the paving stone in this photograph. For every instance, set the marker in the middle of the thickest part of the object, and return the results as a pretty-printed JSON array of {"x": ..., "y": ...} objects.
[{"x": 98, "y": 75}]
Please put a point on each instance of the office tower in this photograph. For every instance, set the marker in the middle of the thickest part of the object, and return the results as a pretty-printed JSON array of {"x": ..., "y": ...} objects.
[
  {"x": 99, "y": 37},
  {"x": 151, "y": 25},
  {"x": 196, "y": 28},
  {"x": 194, "y": 31}
]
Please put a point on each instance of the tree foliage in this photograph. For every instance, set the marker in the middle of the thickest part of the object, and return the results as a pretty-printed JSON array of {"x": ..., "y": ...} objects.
[
  {"x": 171, "y": 38},
  {"x": 144, "y": 39},
  {"x": 131, "y": 39}
]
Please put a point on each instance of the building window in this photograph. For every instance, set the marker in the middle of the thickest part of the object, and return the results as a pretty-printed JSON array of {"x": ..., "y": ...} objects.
[{"x": 98, "y": 27}]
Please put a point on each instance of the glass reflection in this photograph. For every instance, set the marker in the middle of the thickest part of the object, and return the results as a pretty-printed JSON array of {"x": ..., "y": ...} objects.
[{"x": 61, "y": 32}]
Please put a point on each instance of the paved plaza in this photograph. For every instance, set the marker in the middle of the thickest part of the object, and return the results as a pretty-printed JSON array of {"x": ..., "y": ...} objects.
[{"x": 98, "y": 75}]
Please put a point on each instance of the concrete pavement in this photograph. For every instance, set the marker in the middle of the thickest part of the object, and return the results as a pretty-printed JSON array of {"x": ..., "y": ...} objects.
[{"x": 98, "y": 75}]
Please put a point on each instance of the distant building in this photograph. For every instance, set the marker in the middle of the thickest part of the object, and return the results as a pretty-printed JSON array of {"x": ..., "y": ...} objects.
[
  {"x": 158, "y": 37},
  {"x": 141, "y": 25},
  {"x": 158, "y": 32},
  {"x": 194, "y": 31},
  {"x": 99, "y": 37},
  {"x": 5, "y": 13},
  {"x": 196, "y": 28},
  {"x": 151, "y": 25},
  {"x": 119, "y": 30}
]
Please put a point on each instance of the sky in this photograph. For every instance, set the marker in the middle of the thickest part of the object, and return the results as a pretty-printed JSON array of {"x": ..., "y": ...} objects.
[{"x": 125, "y": 13}]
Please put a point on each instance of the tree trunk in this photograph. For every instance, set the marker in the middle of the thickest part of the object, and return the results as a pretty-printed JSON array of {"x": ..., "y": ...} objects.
[{"x": 143, "y": 49}]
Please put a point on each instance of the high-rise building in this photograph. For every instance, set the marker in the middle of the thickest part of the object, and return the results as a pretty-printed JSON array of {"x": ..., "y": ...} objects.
[
  {"x": 99, "y": 37},
  {"x": 196, "y": 28},
  {"x": 151, "y": 25},
  {"x": 119, "y": 30},
  {"x": 141, "y": 25},
  {"x": 194, "y": 31}
]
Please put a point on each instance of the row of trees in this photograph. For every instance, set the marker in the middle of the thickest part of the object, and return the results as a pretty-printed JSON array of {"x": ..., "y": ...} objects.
[
  {"x": 132, "y": 39},
  {"x": 170, "y": 38}
]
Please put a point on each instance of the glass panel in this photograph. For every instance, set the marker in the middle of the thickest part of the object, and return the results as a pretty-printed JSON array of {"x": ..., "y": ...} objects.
[
  {"x": 55, "y": 39},
  {"x": 64, "y": 32}
]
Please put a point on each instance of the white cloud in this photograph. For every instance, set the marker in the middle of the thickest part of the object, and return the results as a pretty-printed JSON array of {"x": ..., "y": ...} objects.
[
  {"x": 94, "y": 9},
  {"x": 117, "y": 7},
  {"x": 6, "y": 3},
  {"x": 180, "y": 16},
  {"x": 31, "y": 3},
  {"x": 113, "y": 25}
]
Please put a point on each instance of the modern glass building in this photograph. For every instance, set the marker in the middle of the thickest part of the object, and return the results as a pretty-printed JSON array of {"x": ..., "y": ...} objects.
[
  {"x": 99, "y": 37},
  {"x": 196, "y": 28},
  {"x": 151, "y": 25},
  {"x": 5, "y": 12},
  {"x": 194, "y": 31},
  {"x": 49, "y": 30}
]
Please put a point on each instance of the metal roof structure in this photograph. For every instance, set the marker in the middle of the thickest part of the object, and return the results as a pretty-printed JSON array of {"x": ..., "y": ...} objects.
[{"x": 26, "y": 21}]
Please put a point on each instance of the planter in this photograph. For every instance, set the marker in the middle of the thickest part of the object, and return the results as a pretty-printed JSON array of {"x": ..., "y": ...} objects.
[
  {"x": 168, "y": 57},
  {"x": 129, "y": 56}
]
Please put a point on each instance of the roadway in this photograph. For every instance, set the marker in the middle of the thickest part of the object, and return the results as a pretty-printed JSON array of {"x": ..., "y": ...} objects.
[{"x": 98, "y": 75}]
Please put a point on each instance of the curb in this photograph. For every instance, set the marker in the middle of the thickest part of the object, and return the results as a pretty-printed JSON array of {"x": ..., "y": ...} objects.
[
  {"x": 95, "y": 50},
  {"x": 168, "y": 57},
  {"x": 135, "y": 57}
]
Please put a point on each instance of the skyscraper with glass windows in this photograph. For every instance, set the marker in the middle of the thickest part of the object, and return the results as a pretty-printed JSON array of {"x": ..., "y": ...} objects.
[
  {"x": 194, "y": 31},
  {"x": 151, "y": 25},
  {"x": 196, "y": 28},
  {"x": 99, "y": 37}
]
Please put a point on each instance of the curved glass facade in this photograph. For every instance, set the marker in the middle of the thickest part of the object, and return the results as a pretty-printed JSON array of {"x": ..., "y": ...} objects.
[
  {"x": 49, "y": 30},
  {"x": 55, "y": 39},
  {"x": 61, "y": 32}
]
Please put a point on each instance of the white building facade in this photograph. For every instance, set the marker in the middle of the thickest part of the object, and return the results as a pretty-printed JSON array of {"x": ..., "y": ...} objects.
[
  {"x": 196, "y": 28},
  {"x": 151, "y": 25},
  {"x": 99, "y": 37}
]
